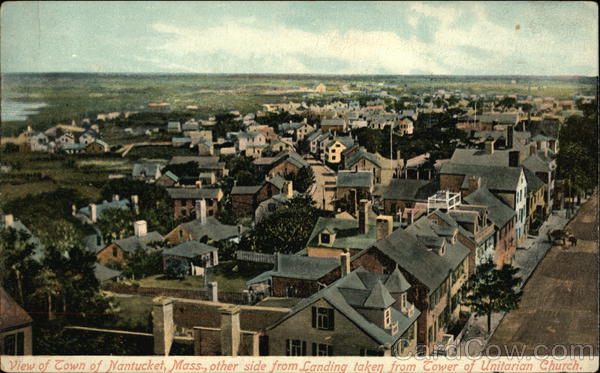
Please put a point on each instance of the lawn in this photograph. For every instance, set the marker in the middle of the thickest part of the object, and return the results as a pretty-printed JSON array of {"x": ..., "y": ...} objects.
[{"x": 134, "y": 311}]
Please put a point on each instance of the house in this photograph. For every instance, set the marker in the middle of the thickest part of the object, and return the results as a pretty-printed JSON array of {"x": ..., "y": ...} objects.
[
  {"x": 320, "y": 88},
  {"x": 405, "y": 127},
  {"x": 194, "y": 255},
  {"x": 190, "y": 125},
  {"x": 8, "y": 221},
  {"x": 168, "y": 180},
  {"x": 174, "y": 126},
  {"x": 206, "y": 230},
  {"x": 403, "y": 194},
  {"x": 72, "y": 148},
  {"x": 354, "y": 185},
  {"x": 333, "y": 125},
  {"x": 245, "y": 139},
  {"x": 362, "y": 160},
  {"x": 185, "y": 200},
  {"x": 270, "y": 205},
  {"x": 317, "y": 141},
  {"x": 88, "y": 136},
  {"x": 297, "y": 131},
  {"x": 507, "y": 183},
  {"x": 147, "y": 171},
  {"x": 334, "y": 148},
  {"x": 435, "y": 264},
  {"x": 16, "y": 327},
  {"x": 65, "y": 138},
  {"x": 245, "y": 199},
  {"x": 181, "y": 141},
  {"x": 38, "y": 142},
  {"x": 284, "y": 163},
  {"x": 504, "y": 220},
  {"x": 97, "y": 146},
  {"x": 205, "y": 148},
  {"x": 331, "y": 237},
  {"x": 118, "y": 250},
  {"x": 93, "y": 212},
  {"x": 362, "y": 313},
  {"x": 281, "y": 145}
]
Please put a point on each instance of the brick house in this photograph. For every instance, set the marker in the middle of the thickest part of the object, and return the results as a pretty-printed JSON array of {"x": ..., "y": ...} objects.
[
  {"x": 361, "y": 314},
  {"x": 204, "y": 229},
  {"x": 403, "y": 194},
  {"x": 184, "y": 200},
  {"x": 354, "y": 185},
  {"x": 284, "y": 163},
  {"x": 362, "y": 160},
  {"x": 246, "y": 199},
  {"x": 118, "y": 250},
  {"x": 435, "y": 265},
  {"x": 194, "y": 255}
]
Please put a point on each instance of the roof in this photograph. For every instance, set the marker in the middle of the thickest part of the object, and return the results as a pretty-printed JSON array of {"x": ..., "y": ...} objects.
[
  {"x": 193, "y": 193},
  {"x": 203, "y": 162},
  {"x": 410, "y": 189},
  {"x": 536, "y": 164},
  {"x": 362, "y": 154},
  {"x": 212, "y": 228},
  {"x": 333, "y": 122},
  {"x": 299, "y": 267},
  {"x": 534, "y": 183},
  {"x": 498, "y": 212},
  {"x": 103, "y": 273},
  {"x": 501, "y": 118},
  {"x": 12, "y": 314},
  {"x": 493, "y": 177},
  {"x": 277, "y": 181},
  {"x": 131, "y": 243},
  {"x": 190, "y": 249},
  {"x": 149, "y": 168},
  {"x": 347, "y": 234},
  {"x": 347, "y": 141},
  {"x": 396, "y": 282},
  {"x": 351, "y": 295},
  {"x": 407, "y": 247},
  {"x": 358, "y": 179},
  {"x": 252, "y": 189},
  {"x": 122, "y": 204},
  {"x": 171, "y": 176}
]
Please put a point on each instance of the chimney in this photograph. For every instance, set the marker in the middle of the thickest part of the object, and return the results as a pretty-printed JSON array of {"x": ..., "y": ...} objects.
[
  {"x": 8, "y": 220},
  {"x": 363, "y": 216},
  {"x": 136, "y": 204},
  {"x": 474, "y": 183},
  {"x": 489, "y": 147},
  {"x": 140, "y": 228},
  {"x": 162, "y": 325},
  {"x": 510, "y": 135},
  {"x": 288, "y": 189},
  {"x": 345, "y": 263},
  {"x": 385, "y": 226},
  {"x": 213, "y": 291},
  {"x": 198, "y": 183},
  {"x": 201, "y": 210},
  {"x": 115, "y": 197},
  {"x": 230, "y": 330},
  {"x": 513, "y": 158},
  {"x": 93, "y": 215}
]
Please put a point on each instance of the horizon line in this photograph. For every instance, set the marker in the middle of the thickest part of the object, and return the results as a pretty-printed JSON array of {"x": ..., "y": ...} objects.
[{"x": 302, "y": 74}]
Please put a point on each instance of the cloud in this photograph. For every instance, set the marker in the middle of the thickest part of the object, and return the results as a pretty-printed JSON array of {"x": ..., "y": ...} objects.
[{"x": 437, "y": 44}]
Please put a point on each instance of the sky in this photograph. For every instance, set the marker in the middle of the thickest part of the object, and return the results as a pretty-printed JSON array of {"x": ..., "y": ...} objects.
[{"x": 455, "y": 38}]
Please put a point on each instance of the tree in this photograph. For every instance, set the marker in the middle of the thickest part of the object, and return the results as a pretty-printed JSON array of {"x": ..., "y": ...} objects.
[
  {"x": 188, "y": 169},
  {"x": 303, "y": 179},
  {"x": 116, "y": 224},
  {"x": 493, "y": 290},
  {"x": 48, "y": 286},
  {"x": 287, "y": 229},
  {"x": 61, "y": 234},
  {"x": 16, "y": 263},
  {"x": 175, "y": 269},
  {"x": 143, "y": 263}
]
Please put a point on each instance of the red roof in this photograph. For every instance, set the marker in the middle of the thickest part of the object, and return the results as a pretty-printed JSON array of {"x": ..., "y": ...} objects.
[{"x": 11, "y": 314}]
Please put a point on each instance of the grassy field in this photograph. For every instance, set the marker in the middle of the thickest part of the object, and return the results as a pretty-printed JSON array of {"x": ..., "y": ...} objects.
[{"x": 34, "y": 173}]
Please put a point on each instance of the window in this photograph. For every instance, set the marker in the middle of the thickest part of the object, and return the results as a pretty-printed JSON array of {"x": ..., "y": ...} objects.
[
  {"x": 114, "y": 251},
  {"x": 320, "y": 349},
  {"x": 181, "y": 233},
  {"x": 295, "y": 347},
  {"x": 403, "y": 301},
  {"x": 10, "y": 345},
  {"x": 333, "y": 158},
  {"x": 387, "y": 318},
  {"x": 322, "y": 318},
  {"x": 325, "y": 238}
]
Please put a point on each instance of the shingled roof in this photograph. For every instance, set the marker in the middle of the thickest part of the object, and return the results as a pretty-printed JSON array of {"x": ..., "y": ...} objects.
[
  {"x": 347, "y": 234},
  {"x": 498, "y": 212},
  {"x": 410, "y": 189},
  {"x": 11, "y": 314},
  {"x": 212, "y": 228},
  {"x": 351, "y": 179},
  {"x": 493, "y": 177},
  {"x": 190, "y": 249}
]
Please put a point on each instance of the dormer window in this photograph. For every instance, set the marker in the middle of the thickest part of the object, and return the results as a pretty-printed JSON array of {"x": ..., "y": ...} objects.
[
  {"x": 403, "y": 302},
  {"x": 325, "y": 238},
  {"x": 387, "y": 320}
]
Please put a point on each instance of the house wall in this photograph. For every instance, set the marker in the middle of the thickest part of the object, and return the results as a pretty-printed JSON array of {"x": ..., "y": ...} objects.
[
  {"x": 451, "y": 182},
  {"x": 365, "y": 165},
  {"x": 346, "y": 339},
  {"x": 303, "y": 288},
  {"x": 183, "y": 208},
  {"x": 506, "y": 244},
  {"x": 282, "y": 169},
  {"x": 106, "y": 255},
  {"x": 178, "y": 235},
  {"x": 391, "y": 206}
]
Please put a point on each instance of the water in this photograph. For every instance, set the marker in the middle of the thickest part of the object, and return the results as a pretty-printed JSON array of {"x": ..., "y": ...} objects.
[{"x": 17, "y": 111}]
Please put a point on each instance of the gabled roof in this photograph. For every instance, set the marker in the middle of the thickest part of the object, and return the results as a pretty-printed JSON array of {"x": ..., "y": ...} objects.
[
  {"x": 410, "y": 189},
  {"x": 396, "y": 283},
  {"x": 299, "y": 267},
  {"x": 498, "y": 212},
  {"x": 12, "y": 314},
  {"x": 348, "y": 296},
  {"x": 251, "y": 189},
  {"x": 362, "y": 154},
  {"x": 171, "y": 176},
  {"x": 534, "y": 183},
  {"x": 149, "y": 168},
  {"x": 212, "y": 228},
  {"x": 358, "y": 179},
  {"x": 103, "y": 273},
  {"x": 379, "y": 297},
  {"x": 347, "y": 234},
  {"x": 189, "y": 249},
  {"x": 131, "y": 243},
  {"x": 493, "y": 177}
]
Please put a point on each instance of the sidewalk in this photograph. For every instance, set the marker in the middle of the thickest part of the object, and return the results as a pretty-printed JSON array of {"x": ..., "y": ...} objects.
[{"x": 526, "y": 260}]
